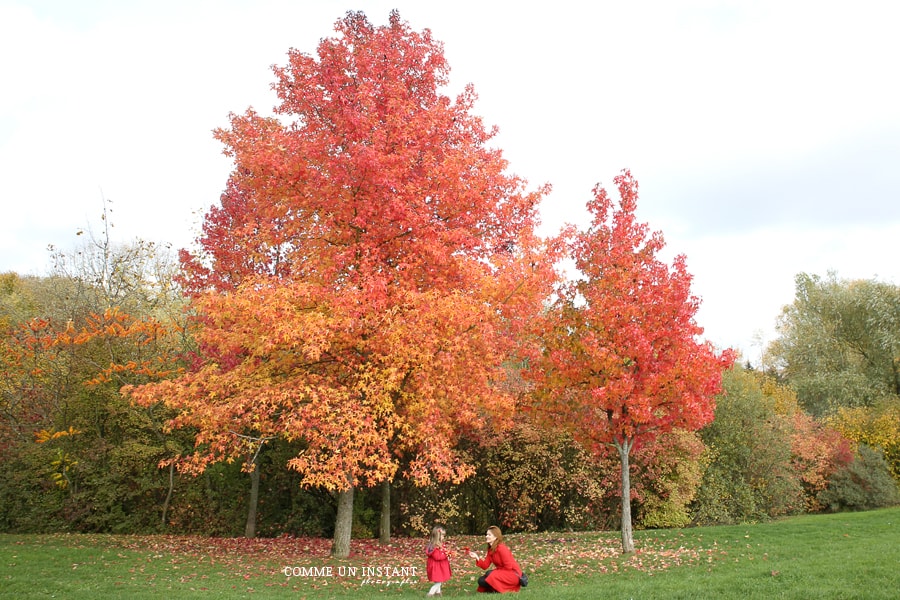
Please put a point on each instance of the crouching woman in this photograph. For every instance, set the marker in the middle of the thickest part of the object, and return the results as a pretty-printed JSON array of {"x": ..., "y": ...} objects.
[{"x": 504, "y": 577}]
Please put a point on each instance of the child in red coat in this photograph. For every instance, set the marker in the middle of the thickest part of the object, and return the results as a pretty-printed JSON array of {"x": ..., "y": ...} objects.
[{"x": 438, "y": 566}]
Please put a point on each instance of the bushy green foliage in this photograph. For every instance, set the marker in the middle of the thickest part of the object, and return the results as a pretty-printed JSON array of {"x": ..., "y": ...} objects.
[
  {"x": 286, "y": 508},
  {"x": 422, "y": 507},
  {"x": 838, "y": 340},
  {"x": 527, "y": 479},
  {"x": 29, "y": 501},
  {"x": 530, "y": 479},
  {"x": 864, "y": 484},
  {"x": 543, "y": 480},
  {"x": 667, "y": 476},
  {"x": 749, "y": 477}
]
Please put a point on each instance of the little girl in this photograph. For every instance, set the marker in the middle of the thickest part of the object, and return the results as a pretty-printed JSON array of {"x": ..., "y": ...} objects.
[{"x": 438, "y": 565}]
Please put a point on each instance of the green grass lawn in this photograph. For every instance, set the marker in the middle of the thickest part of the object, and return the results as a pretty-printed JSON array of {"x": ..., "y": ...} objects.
[{"x": 850, "y": 555}]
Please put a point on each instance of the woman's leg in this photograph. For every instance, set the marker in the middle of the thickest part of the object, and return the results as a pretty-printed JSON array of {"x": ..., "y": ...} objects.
[{"x": 484, "y": 586}]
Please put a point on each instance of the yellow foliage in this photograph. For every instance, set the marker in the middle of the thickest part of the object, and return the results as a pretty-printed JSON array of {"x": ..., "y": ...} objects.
[
  {"x": 877, "y": 426},
  {"x": 784, "y": 397},
  {"x": 45, "y": 435},
  {"x": 62, "y": 465}
]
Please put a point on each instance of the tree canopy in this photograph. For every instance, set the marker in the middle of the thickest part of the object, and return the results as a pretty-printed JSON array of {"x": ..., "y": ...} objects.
[
  {"x": 839, "y": 343},
  {"x": 622, "y": 361},
  {"x": 361, "y": 283}
]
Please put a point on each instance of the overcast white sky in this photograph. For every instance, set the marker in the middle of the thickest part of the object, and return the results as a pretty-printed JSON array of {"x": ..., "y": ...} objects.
[{"x": 765, "y": 134}]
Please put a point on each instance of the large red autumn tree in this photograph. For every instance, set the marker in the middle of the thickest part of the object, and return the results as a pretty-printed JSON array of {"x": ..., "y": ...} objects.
[
  {"x": 622, "y": 360},
  {"x": 362, "y": 282}
]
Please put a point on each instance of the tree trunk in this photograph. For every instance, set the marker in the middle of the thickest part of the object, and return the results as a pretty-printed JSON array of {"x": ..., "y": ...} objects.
[
  {"x": 343, "y": 525},
  {"x": 385, "y": 530},
  {"x": 168, "y": 500},
  {"x": 250, "y": 530},
  {"x": 624, "y": 449}
]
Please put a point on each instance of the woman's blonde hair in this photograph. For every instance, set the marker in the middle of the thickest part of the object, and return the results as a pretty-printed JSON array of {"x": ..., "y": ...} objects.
[{"x": 498, "y": 536}]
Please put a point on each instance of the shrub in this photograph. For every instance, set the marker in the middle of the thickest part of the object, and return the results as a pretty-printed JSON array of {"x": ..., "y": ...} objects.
[
  {"x": 864, "y": 484},
  {"x": 666, "y": 475},
  {"x": 750, "y": 475}
]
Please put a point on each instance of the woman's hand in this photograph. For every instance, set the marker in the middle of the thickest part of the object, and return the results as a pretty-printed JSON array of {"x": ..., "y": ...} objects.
[{"x": 473, "y": 555}]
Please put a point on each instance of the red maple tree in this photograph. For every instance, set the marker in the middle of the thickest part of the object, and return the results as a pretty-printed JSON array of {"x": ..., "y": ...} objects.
[
  {"x": 363, "y": 280},
  {"x": 622, "y": 360}
]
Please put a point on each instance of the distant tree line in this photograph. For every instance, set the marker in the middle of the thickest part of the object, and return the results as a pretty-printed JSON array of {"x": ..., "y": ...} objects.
[{"x": 816, "y": 431}]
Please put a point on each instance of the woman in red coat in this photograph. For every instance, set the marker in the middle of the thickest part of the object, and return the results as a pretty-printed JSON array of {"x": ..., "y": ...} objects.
[{"x": 504, "y": 577}]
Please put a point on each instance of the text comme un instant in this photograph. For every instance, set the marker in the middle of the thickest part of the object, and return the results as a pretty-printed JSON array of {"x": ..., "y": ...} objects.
[{"x": 347, "y": 571}]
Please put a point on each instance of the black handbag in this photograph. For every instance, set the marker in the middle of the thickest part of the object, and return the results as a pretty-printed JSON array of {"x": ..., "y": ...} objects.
[{"x": 523, "y": 579}]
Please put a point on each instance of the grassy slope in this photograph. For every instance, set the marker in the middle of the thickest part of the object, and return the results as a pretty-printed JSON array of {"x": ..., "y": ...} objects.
[{"x": 855, "y": 555}]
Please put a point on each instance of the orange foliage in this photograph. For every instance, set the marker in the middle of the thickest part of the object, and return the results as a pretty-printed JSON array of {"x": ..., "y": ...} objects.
[
  {"x": 39, "y": 356},
  {"x": 817, "y": 451},
  {"x": 43, "y": 436},
  {"x": 114, "y": 323},
  {"x": 366, "y": 272}
]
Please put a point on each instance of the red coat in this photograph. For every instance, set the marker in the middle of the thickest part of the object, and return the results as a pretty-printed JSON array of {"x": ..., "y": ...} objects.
[
  {"x": 438, "y": 565},
  {"x": 505, "y": 576}
]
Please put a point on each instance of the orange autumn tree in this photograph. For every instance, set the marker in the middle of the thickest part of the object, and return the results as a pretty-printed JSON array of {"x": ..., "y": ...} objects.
[
  {"x": 622, "y": 361},
  {"x": 365, "y": 276}
]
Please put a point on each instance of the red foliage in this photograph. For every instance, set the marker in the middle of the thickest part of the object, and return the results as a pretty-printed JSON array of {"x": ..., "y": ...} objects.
[
  {"x": 622, "y": 361},
  {"x": 817, "y": 451},
  {"x": 367, "y": 270},
  {"x": 621, "y": 358}
]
